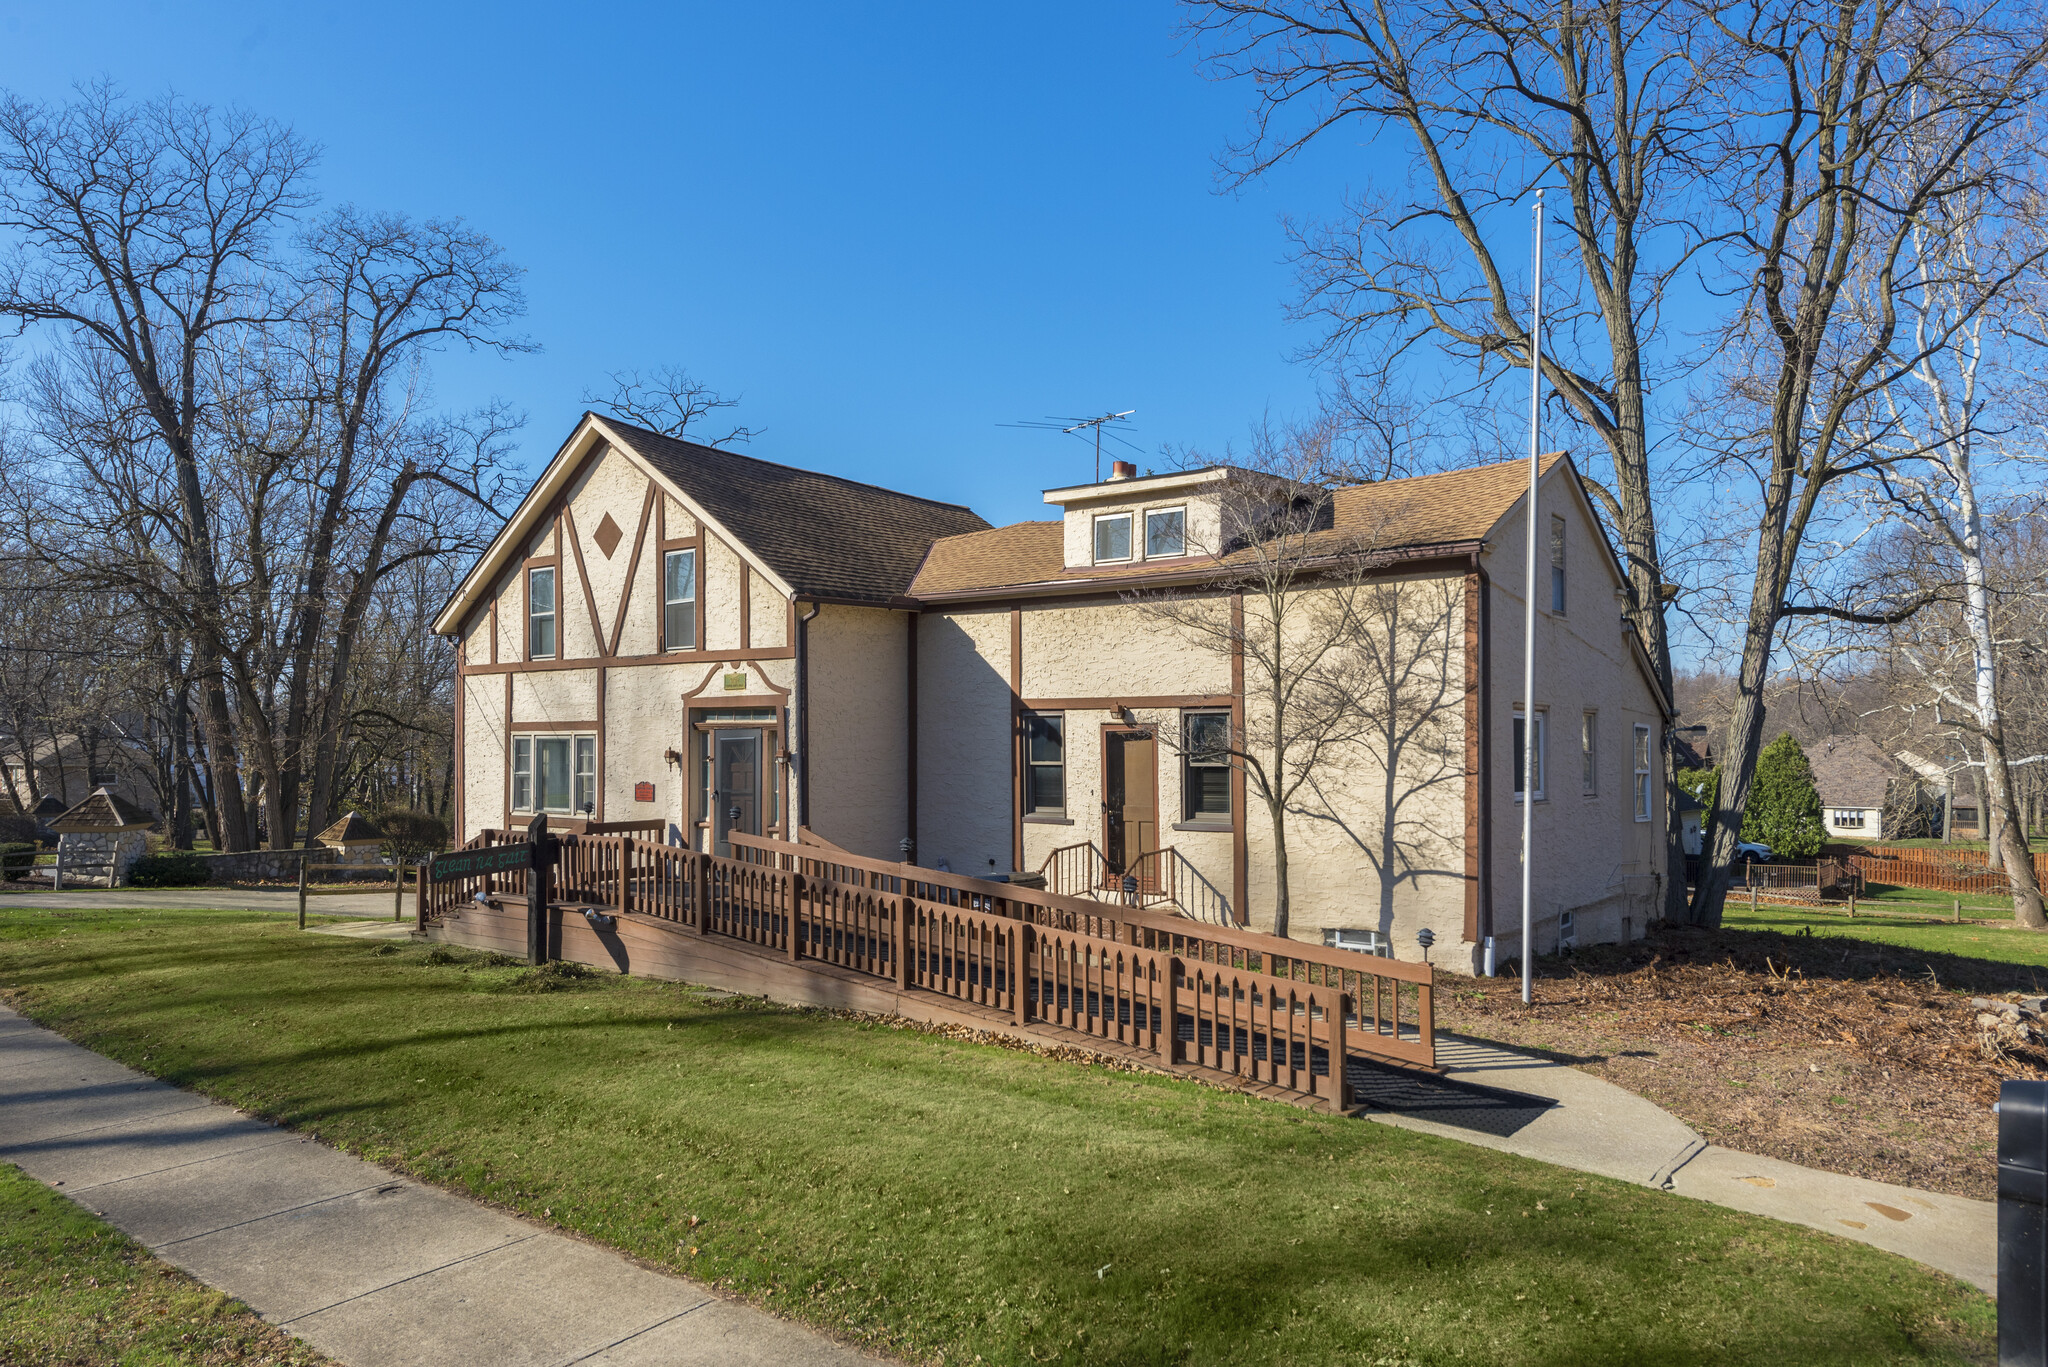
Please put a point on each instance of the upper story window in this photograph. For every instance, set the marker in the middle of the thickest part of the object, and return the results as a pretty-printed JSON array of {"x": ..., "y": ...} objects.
[
  {"x": 679, "y": 600},
  {"x": 1045, "y": 762},
  {"x": 1205, "y": 767},
  {"x": 1642, "y": 757},
  {"x": 540, "y": 614},
  {"x": 1533, "y": 753},
  {"x": 1557, "y": 564},
  {"x": 1589, "y": 754},
  {"x": 1113, "y": 537},
  {"x": 1166, "y": 533}
]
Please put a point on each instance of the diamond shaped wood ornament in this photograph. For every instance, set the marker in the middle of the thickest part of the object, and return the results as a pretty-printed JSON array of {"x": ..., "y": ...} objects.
[{"x": 608, "y": 536}]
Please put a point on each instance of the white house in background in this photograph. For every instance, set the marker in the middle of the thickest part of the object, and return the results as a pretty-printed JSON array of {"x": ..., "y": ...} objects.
[
  {"x": 1853, "y": 775},
  {"x": 699, "y": 642}
]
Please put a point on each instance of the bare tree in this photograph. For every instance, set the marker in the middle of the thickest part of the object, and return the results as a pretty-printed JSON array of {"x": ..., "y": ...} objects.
[
  {"x": 1496, "y": 99},
  {"x": 1847, "y": 128},
  {"x": 671, "y": 401}
]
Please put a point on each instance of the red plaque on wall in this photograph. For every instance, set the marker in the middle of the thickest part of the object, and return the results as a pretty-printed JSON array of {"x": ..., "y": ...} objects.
[{"x": 643, "y": 792}]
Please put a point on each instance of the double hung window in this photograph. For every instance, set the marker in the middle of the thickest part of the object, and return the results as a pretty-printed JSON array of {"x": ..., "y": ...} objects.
[
  {"x": 1557, "y": 564},
  {"x": 1642, "y": 758},
  {"x": 1045, "y": 763},
  {"x": 1205, "y": 767},
  {"x": 554, "y": 774},
  {"x": 1589, "y": 754},
  {"x": 679, "y": 600},
  {"x": 540, "y": 614}
]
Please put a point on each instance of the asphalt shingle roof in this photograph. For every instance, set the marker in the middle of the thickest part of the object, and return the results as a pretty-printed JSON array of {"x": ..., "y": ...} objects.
[
  {"x": 826, "y": 536},
  {"x": 1851, "y": 771}
]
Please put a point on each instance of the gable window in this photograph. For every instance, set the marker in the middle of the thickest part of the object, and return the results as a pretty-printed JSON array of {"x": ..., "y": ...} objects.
[
  {"x": 1113, "y": 537},
  {"x": 554, "y": 774},
  {"x": 1535, "y": 754},
  {"x": 1166, "y": 533},
  {"x": 1557, "y": 564},
  {"x": 679, "y": 600},
  {"x": 540, "y": 614},
  {"x": 1045, "y": 763},
  {"x": 1205, "y": 767},
  {"x": 1589, "y": 754},
  {"x": 1642, "y": 757}
]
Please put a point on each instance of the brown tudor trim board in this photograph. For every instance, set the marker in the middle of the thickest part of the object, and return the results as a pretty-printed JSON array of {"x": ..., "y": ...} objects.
[{"x": 1240, "y": 871}]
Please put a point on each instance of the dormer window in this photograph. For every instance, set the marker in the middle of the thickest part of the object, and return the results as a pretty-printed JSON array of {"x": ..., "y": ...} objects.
[
  {"x": 1166, "y": 533},
  {"x": 1113, "y": 537},
  {"x": 540, "y": 614}
]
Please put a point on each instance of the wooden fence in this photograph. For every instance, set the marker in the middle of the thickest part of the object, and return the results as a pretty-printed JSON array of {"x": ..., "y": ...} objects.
[{"x": 1255, "y": 1007}]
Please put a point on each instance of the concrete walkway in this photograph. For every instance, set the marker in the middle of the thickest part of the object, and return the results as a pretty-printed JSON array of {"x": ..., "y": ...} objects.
[
  {"x": 364, "y": 904},
  {"x": 1595, "y": 1126},
  {"x": 369, "y": 1267}
]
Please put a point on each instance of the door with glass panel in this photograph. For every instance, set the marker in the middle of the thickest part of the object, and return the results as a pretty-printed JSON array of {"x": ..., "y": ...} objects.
[{"x": 735, "y": 787}]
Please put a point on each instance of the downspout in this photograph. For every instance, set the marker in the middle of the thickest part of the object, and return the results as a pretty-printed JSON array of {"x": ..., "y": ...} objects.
[
  {"x": 910, "y": 739},
  {"x": 1485, "y": 751},
  {"x": 803, "y": 717}
]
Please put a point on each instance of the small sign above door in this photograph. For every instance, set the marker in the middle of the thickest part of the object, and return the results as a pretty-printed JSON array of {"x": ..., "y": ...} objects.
[
  {"x": 643, "y": 792},
  {"x": 736, "y": 683}
]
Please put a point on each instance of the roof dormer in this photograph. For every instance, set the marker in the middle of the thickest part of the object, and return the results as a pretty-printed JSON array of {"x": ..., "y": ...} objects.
[{"x": 1128, "y": 520}]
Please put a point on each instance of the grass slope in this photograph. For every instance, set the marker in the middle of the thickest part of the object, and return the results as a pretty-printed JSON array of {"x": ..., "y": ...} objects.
[
  {"x": 74, "y": 1290},
  {"x": 2006, "y": 944},
  {"x": 946, "y": 1201}
]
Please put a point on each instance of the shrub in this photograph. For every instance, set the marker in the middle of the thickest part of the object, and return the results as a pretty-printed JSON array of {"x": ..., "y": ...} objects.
[
  {"x": 17, "y": 830},
  {"x": 411, "y": 836},
  {"x": 178, "y": 869},
  {"x": 1784, "y": 809},
  {"x": 17, "y": 857},
  {"x": 1703, "y": 784}
]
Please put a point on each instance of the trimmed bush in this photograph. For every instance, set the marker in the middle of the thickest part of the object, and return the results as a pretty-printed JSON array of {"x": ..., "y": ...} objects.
[
  {"x": 178, "y": 869},
  {"x": 1784, "y": 808},
  {"x": 411, "y": 836},
  {"x": 17, "y": 857}
]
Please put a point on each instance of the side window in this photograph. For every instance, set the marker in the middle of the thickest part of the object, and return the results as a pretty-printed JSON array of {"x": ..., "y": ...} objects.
[
  {"x": 586, "y": 774},
  {"x": 1589, "y": 754},
  {"x": 679, "y": 600},
  {"x": 1045, "y": 762},
  {"x": 1642, "y": 758},
  {"x": 1534, "y": 754},
  {"x": 1557, "y": 564},
  {"x": 522, "y": 773},
  {"x": 1113, "y": 537},
  {"x": 1364, "y": 941},
  {"x": 540, "y": 614},
  {"x": 1205, "y": 767},
  {"x": 1166, "y": 533}
]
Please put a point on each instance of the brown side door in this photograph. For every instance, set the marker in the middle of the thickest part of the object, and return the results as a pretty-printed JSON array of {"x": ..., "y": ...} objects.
[{"x": 1130, "y": 801}]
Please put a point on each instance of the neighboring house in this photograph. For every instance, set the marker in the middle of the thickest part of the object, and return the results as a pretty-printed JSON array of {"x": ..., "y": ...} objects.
[
  {"x": 1691, "y": 822},
  {"x": 1690, "y": 748},
  {"x": 704, "y": 642},
  {"x": 1854, "y": 777},
  {"x": 64, "y": 770},
  {"x": 1950, "y": 819}
]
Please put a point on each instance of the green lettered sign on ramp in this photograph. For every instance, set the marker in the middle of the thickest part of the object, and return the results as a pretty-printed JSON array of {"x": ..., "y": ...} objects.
[{"x": 446, "y": 868}]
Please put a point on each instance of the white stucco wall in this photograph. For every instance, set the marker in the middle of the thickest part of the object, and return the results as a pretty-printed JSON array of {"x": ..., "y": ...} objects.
[
  {"x": 483, "y": 754},
  {"x": 859, "y": 762},
  {"x": 563, "y": 697},
  {"x": 720, "y": 570},
  {"x": 610, "y": 486},
  {"x": 643, "y": 718},
  {"x": 767, "y": 614},
  {"x": 963, "y": 755},
  {"x": 1101, "y": 650},
  {"x": 1592, "y": 857}
]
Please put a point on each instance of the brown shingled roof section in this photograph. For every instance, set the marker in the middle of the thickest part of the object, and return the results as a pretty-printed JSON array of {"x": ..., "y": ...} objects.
[
  {"x": 354, "y": 828},
  {"x": 102, "y": 811},
  {"x": 826, "y": 536},
  {"x": 1427, "y": 510},
  {"x": 1851, "y": 771}
]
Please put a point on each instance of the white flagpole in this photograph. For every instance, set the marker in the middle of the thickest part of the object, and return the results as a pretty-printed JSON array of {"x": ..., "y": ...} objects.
[{"x": 1530, "y": 752}]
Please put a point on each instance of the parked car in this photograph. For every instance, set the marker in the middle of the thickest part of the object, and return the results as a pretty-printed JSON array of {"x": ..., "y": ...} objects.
[{"x": 1752, "y": 852}]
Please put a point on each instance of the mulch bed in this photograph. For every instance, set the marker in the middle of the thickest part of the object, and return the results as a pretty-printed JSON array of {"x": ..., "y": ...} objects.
[{"x": 1840, "y": 1054}]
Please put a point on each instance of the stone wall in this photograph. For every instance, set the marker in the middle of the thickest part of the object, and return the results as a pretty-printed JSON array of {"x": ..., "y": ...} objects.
[
  {"x": 257, "y": 866},
  {"x": 101, "y": 859}
]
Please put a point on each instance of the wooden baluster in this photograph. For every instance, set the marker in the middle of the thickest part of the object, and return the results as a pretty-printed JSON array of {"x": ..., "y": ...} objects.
[
  {"x": 1018, "y": 934},
  {"x": 906, "y": 917},
  {"x": 795, "y": 886},
  {"x": 625, "y": 853},
  {"x": 701, "y": 890},
  {"x": 1334, "y": 1010}
]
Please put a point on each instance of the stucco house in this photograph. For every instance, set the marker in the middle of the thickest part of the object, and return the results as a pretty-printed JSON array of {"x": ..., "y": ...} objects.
[
  {"x": 1853, "y": 776},
  {"x": 693, "y": 641}
]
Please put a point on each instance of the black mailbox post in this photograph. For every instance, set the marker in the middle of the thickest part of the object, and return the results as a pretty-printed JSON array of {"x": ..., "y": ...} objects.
[{"x": 2023, "y": 1224}]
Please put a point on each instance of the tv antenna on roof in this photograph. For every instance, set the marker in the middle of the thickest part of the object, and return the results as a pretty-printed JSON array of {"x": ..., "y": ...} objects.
[{"x": 1076, "y": 426}]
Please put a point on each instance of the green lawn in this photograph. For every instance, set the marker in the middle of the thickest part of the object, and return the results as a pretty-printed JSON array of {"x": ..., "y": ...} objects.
[
  {"x": 945, "y": 1201},
  {"x": 2003, "y": 943},
  {"x": 76, "y": 1291}
]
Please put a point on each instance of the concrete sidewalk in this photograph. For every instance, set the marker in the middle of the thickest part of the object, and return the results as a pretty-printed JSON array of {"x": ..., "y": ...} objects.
[
  {"x": 369, "y": 1267},
  {"x": 359, "y": 904},
  {"x": 1595, "y": 1126}
]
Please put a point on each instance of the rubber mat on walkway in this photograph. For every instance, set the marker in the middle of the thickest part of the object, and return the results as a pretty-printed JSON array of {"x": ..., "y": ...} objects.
[{"x": 1489, "y": 1110}]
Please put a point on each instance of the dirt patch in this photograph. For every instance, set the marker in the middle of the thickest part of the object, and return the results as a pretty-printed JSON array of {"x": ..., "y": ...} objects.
[{"x": 1840, "y": 1054}]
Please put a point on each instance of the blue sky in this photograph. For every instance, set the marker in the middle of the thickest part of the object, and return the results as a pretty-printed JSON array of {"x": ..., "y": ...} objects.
[{"x": 889, "y": 228}]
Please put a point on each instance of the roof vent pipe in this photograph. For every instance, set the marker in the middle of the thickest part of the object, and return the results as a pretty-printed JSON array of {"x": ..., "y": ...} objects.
[{"x": 1123, "y": 469}]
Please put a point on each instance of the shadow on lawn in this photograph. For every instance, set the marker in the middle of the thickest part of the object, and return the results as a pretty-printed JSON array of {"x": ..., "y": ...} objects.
[{"x": 1821, "y": 956}]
